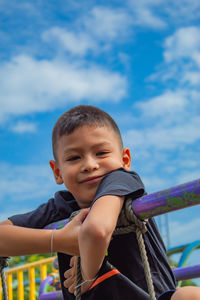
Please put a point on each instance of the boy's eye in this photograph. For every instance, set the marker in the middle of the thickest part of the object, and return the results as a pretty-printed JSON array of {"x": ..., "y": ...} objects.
[
  {"x": 101, "y": 153},
  {"x": 73, "y": 158}
]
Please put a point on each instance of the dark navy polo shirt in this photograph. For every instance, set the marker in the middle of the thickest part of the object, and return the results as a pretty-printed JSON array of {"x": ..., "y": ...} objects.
[{"x": 123, "y": 251}]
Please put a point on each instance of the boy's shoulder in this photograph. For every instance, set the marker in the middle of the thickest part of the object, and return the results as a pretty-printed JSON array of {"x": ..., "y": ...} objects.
[
  {"x": 125, "y": 176},
  {"x": 55, "y": 209},
  {"x": 121, "y": 183}
]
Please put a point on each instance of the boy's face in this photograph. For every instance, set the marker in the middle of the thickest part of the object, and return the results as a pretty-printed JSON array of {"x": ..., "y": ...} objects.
[{"x": 84, "y": 157}]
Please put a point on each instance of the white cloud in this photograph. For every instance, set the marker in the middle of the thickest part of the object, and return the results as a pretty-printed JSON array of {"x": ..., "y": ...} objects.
[
  {"x": 182, "y": 11},
  {"x": 77, "y": 43},
  {"x": 181, "y": 64},
  {"x": 158, "y": 14},
  {"x": 145, "y": 16},
  {"x": 19, "y": 184},
  {"x": 171, "y": 119},
  {"x": 93, "y": 33},
  {"x": 191, "y": 77},
  {"x": 165, "y": 138},
  {"x": 184, "y": 43},
  {"x": 22, "y": 127},
  {"x": 108, "y": 24},
  {"x": 170, "y": 102},
  {"x": 42, "y": 85}
]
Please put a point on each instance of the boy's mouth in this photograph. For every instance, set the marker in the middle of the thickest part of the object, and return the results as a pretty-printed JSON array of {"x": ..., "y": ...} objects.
[{"x": 92, "y": 179}]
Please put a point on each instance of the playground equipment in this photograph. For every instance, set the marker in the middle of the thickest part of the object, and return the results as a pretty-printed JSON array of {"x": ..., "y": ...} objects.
[
  {"x": 187, "y": 272},
  {"x": 175, "y": 198},
  {"x": 180, "y": 274},
  {"x": 51, "y": 280},
  {"x": 186, "y": 252},
  {"x": 162, "y": 202}
]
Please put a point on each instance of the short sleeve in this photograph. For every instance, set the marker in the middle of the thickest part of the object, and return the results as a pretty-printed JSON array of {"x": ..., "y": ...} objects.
[
  {"x": 37, "y": 218},
  {"x": 57, "y": 208},
  {"x": 121, "y": 183}
]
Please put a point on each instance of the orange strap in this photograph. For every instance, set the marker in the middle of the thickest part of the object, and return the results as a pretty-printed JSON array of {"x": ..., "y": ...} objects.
[{"x": 104, "y": 277}]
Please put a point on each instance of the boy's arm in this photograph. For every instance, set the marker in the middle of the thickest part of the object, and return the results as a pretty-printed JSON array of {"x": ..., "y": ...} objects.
[
  {"x": 16, "y": 240},
  {"x": 95, "y": 233},
  {"x": 6, "y": 222}
]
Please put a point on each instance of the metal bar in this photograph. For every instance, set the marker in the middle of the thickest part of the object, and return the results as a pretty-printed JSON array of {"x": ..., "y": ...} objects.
[
  {"x": 0, "y": 290},
  {"x": 19, "y": 270},
  {"x": 180, "y": 248},
  {"x": 187, "y": 272},
  {"x": 32, "y": 283},
  {"x": 29, "y": 265},
  {"x": 9, "y": 284},
  {"x": 20, "y": 285},
  {"x": 162, "y": 202},
  {"x": 43, "y": 271}
]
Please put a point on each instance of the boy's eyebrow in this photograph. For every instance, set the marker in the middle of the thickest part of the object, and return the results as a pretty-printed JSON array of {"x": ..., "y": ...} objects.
[{"x": 101, "y": 144}]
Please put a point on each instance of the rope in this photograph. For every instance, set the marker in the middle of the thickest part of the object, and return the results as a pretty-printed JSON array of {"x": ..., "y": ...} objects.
[
  {"x": 3, "y": 264},
  {"x": 128, "y": 222},
  {"x": 78, "y": 280},
  {"x": 79, "y": 274}
]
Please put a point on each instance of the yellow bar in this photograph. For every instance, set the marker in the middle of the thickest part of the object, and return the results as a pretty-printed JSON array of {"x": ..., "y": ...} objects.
[
  {"x": 34, "y": 264},
  {"x": 43, "y": 271},
  {"x": 19, "y": 271},
  {"x": 32, "y": 283},
  {"x": 20, "y": 285},
  {"x": 0, "y": 290},
  {"x": 9, "y": 285}
]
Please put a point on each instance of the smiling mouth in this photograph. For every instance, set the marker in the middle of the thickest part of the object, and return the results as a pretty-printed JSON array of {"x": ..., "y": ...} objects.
[{"x": 91, "y": 180}]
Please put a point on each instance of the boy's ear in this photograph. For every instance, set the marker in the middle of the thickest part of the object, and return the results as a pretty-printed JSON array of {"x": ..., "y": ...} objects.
[
  {"x": 126, "y": 159},
  {"x": 56, "y": 172}
]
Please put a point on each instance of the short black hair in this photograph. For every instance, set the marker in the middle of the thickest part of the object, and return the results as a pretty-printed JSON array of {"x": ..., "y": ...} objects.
[{"x": 82, "y": 115}]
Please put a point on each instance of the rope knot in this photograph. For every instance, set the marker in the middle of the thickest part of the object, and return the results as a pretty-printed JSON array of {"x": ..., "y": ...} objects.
[
  {"x": 3, "y": 262},
  {"x": 128, "y": 221},
  {"x": 141, "y": 224}
]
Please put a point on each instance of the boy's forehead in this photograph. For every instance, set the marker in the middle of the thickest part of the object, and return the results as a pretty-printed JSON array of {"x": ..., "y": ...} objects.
[
  {"x": 99, "y": 134},
  {"x": 98, "y": 129}
]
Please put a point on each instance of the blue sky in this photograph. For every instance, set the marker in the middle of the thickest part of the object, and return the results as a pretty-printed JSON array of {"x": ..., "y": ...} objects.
[{"x": 138, "y": 60}]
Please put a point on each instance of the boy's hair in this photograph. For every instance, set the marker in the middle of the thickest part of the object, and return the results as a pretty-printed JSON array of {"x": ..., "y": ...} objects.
[{"x": 79, "y": 116}]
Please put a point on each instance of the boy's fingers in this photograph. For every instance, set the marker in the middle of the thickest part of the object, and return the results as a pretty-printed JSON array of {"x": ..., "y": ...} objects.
[
  {"x": 70, "y": 285},
  {"x": 68, "y": 282},
  {"x": 72, "y": 261},
  {"x": 82, "y": 215},
  {"x": 68, "y": 273},
  {"x": 71, "y": 289}
]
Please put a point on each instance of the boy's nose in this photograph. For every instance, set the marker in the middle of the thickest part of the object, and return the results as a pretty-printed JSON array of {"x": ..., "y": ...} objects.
[{"x": 90, "y": 164}]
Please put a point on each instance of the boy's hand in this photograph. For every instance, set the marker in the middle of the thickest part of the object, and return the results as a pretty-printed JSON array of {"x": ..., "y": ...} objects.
[
  {"x": 68, "y": 235},
  {"x": 71, "y": 274}
]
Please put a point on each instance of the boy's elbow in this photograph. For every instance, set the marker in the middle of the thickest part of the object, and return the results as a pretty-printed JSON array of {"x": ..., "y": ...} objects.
[{"x": 96, "y": 233}]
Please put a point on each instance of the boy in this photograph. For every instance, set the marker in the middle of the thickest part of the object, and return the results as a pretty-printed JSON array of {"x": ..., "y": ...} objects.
[{"x": 91, "y": 162}]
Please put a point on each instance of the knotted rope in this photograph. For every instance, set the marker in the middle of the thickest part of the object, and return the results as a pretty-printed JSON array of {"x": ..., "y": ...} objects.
[
  {"x": 127, "y": 222},
  {"x": 3, "y": 264}
]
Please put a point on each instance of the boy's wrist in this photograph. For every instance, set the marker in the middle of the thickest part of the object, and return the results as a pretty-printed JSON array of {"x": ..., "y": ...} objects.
[
  {"x": 86, "y": 278},
  {"x": 86, "y": 284}
]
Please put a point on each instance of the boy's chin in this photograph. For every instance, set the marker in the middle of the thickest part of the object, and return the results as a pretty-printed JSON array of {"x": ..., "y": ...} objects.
[{"x": 84, "y": 204}]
